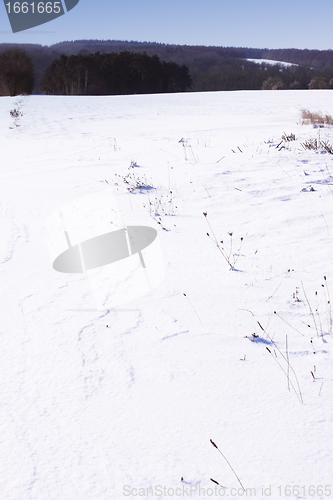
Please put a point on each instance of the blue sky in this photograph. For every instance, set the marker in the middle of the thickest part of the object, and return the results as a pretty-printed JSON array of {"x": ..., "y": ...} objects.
[{"x": 242, "y": 23}]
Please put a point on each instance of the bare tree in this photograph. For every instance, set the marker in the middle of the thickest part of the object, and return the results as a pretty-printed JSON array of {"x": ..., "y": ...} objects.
[{"x": 16, "y": 73}]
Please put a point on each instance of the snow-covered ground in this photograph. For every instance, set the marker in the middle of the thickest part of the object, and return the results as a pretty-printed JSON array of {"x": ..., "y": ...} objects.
[
  {"x": 271, "y": 61},
  {"x": 241, "y": 357}
]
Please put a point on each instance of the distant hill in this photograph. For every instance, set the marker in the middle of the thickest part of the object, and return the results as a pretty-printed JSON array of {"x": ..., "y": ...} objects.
[
  {"x": 192, "y": 56},
  {"x": 211, "y": 68},
  {"x": 319, "y": 59}
]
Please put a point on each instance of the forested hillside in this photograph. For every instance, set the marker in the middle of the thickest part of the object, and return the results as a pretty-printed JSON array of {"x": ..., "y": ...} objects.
[{"x": 210, "y": 68}]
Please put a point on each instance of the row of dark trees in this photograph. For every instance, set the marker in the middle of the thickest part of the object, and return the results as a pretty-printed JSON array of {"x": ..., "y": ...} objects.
[
  {"x": 240, "y": 74},
  {"x": 128, "y": 73},
  {"x": 192, "y": 56},
  {"x": 113, "y": 74},
  {"x": 158, "y": 68}
]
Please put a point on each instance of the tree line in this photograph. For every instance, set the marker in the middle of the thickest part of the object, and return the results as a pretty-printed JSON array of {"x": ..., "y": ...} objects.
[
  {"x": 89, "y": 67},
  {"x": 113, "y": 74},
  {"x": 240, "y": 74}
]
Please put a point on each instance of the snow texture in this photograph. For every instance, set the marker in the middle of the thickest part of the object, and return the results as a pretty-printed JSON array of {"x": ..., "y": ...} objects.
[{"x": 122, "y": 403}]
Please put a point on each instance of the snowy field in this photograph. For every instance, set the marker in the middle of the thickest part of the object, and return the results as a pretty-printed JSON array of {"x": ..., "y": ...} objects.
[
  {"x": 271, "y": 61},
  {"x": 241, "y": 356}
]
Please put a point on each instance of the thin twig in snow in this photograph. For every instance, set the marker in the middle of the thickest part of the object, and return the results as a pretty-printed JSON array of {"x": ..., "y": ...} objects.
[{"x": 218, "y": 449}]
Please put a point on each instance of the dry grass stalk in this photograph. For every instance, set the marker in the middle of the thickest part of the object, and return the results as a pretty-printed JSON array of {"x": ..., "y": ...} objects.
[
  {"x": 316, "y": 119},
  {"x": 231, "y": 257},
  {"x": 215, "y": 446},
  {"x": 289, "y": 367}
]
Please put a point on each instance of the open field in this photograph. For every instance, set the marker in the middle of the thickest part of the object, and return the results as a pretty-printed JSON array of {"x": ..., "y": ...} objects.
[{"x": 235, "y": 345}]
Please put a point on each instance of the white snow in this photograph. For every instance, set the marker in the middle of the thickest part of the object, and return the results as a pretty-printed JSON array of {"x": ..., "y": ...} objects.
[
  {"x": 96, "y": 412},
  {"x": 271, "y": 61}
]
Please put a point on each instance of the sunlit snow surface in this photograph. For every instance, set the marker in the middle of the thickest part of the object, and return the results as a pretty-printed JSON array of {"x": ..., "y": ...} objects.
[
  {"x": 271, "y": 62},
  {"x": 96, "y": 412}
]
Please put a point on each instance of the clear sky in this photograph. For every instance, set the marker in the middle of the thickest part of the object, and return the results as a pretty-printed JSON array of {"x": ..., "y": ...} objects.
[{"x": 240, "y": 23}]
